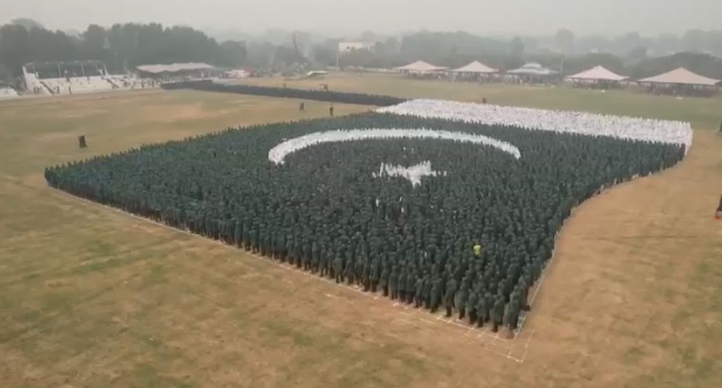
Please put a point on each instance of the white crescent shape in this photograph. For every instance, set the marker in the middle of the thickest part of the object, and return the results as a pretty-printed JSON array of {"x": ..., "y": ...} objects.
[{"x": 278, "y": 153}]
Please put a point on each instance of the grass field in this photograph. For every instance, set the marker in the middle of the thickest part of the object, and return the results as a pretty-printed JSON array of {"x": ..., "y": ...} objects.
[{"x": 95, "y": 298}]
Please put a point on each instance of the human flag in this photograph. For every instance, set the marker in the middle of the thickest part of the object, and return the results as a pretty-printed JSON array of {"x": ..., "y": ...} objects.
[{"x": 394, "y": 198}]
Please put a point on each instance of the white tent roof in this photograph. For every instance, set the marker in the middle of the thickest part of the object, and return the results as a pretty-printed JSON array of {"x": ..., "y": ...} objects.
[
  {"x": 681, "y": 76},
  {"x": 598, "y": 73},
  {"x": 476, "y": 67},
  {"x": 420, "y": 66},
  {"x": 532, "y": 69},
  {"x": 172, "y": 68}
]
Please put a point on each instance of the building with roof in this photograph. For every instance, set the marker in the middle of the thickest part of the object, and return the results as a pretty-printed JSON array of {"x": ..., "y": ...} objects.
[
  {"x": 534, "y": 73},
  {"x": 71, "y": 77},
  {"x": 475, "y": 67},
  {"x": 681, "y": 82},
  {"x": 65, "y": 69},
  {"x": 680, "y": 76},
  {"x": 347, "y": 47},
  {"x": 421, "y": 68},
  {"x": 598, "y": 76},
  {"x": 533, "y": 69},
  {"x": 597, "y": 73}
]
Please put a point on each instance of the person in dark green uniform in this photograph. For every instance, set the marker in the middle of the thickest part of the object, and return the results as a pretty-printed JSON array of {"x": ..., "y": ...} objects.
[
  {"x": 483, "y": 307},
  {"x": 288, "y": 253},
  {"x": 322, "y": 263},
  {"x": 497, "y": 313},
  {"x": 428, "y": 283},
  {"x": 366, "y": 275},
  {"x": 435, "y": 294},
  {"x": 401, "y": 285},
  {"x": 460, "y": 301},
  {"x": 394, "y": 283},
  {"x": 471, "y": 303},
  {"x": 451, "y": 287},
  {"x": 337, "y": 270},
  {"x": 384, "y": 280},
  {"x": 348, "y": 270},
  {"x": 418, "y": 292},
  {"x": 315, "y": 257},
  {"x": 374, "y": 274},
  {"x": 512, "y": 313}
]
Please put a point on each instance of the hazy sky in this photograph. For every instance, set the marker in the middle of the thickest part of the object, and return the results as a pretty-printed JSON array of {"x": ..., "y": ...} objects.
[{"x": 348, "y": 16}]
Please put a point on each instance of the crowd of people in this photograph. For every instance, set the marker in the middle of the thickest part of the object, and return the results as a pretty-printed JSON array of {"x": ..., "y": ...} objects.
[
  {"x": 630, "y": 128},
  {"x": 470, "y": 241},
  {"x": 278, "y": 153}
]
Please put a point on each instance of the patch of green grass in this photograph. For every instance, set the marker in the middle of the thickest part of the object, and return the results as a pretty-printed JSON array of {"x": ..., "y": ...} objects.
[{"x": 148, "y": 376}]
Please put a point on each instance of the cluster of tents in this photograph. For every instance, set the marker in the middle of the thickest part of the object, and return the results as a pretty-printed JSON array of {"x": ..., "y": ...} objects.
[
  {"x": 534, "y": 72},
  {"x": 475, "y": 69}
]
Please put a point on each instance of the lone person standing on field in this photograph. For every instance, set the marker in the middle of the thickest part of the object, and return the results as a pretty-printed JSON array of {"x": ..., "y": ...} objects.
[{"x": 330, "y": 110}]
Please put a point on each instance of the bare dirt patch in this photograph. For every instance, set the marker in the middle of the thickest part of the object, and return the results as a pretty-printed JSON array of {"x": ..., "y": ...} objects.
[{"x": 176, "y": 113}]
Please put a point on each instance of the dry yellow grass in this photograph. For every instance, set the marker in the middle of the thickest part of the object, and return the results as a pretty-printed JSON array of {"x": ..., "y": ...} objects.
[{"x": 94, "y": 298}]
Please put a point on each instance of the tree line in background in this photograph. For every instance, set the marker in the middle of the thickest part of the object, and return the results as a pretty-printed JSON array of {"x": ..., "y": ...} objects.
[
  {"x": 125, "y": 46},
  {"x": 121, "y": 47},
  {"x": 563, "y": 54}
]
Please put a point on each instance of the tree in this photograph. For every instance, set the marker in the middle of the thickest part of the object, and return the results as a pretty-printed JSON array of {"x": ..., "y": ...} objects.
[
  {"x": 29, "y": 24},
  {"x": 14, "y": 48},
  {"x": 286, "y": 56},
  {"x": 516, "y": 49},
  {"x": 625, "y": 43},
  {"x": 5, "y": 74},
  {"x": 232, "y": 53},
  {"x": 390, "y": 46},
  {"x": 324, "y": 54},
  {"x": 636, "y": 54},
  {"x": 93, "y": 44},
  {"x": 694, "y": 40},
  {"x": 449, "y": 48},
  {"x": 666, "y": 45},
  {"x": 370, "y": 36},
  {"x": 564, "y": 40},
  {"x": 361, "y": 57},
  {"x": 703, "y": 64},
  {"x": 593, "y": 44},
  {"x": 260, "y": 54},
  {"x": 714, "y": 42}
]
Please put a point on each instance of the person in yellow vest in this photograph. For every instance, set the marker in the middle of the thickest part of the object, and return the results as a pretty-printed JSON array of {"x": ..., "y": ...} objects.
[{"x": 477, "y": 250}]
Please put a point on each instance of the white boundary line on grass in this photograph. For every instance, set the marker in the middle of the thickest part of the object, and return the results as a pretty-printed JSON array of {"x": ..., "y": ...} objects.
[{"x": 481, "y": 333}]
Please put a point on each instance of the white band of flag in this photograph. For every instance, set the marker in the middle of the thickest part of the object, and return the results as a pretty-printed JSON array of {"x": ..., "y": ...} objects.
[{"x": 582, "y": 123}]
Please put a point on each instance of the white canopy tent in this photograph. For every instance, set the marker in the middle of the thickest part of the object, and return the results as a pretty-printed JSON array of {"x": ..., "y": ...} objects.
[
  {"x": 533, "y": 73},
  {"x": 598, "y": 74},
  {"x": 681, "y": 76},
  {"x": 533, "y": 69},
  {"x": 475, "y": 67},
  {"x": 420, "y": 67}
]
